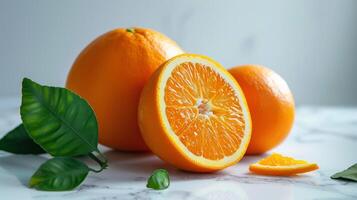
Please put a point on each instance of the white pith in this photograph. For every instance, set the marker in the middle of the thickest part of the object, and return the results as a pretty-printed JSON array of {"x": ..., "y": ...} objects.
[
  {"x": 173, "y": 137},
  {"x": 204, "y": 107}
]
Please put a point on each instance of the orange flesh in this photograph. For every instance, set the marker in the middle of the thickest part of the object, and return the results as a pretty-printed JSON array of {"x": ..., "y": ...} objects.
[
  {"x": 203, "y": 111},
  {"x": 279, "y": 160}
]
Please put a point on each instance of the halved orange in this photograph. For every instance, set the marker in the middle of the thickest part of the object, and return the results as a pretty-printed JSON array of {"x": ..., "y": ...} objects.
[
  {"x": 279, "y": 165},
  {"x": 193, "y": 114}
]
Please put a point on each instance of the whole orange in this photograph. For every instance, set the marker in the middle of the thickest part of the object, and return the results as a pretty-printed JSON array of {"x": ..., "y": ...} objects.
[
  {"x": 110, "y": 74},
  {"x": 271, "y": 105}
]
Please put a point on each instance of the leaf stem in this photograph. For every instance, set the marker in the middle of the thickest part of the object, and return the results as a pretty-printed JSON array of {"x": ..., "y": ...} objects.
[{"x": 100, "y": 159}]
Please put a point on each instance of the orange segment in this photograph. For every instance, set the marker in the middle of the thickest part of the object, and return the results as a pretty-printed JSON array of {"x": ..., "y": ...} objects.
[
  {"x": 193, "y": 114},
  {"x": 279, "y": 165}
]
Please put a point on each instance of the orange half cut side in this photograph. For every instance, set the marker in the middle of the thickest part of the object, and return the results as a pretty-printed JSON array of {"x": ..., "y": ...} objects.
[{"x": 202, "y": 113}]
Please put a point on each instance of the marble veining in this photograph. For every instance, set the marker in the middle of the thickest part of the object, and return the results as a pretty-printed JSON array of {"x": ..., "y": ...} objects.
[{"x": 325, "y": 135}]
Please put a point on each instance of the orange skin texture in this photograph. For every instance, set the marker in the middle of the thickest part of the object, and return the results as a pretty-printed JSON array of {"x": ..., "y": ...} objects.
[
  {"x": 271, "y": 106},
  {"x": 110, "y": 74}
]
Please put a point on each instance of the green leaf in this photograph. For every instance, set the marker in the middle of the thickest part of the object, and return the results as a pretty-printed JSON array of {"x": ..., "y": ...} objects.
[
  {"x": 60, "y": 121},
  {"x": 18, "y": 141},
  {"x": 348, "y": 174},
  {"x": 59, "y": 174},
  {"x": 159, "y": 180}
]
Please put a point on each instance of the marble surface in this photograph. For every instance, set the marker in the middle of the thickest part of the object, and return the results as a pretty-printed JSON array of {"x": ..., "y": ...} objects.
[{"x": 326, "y": 135}]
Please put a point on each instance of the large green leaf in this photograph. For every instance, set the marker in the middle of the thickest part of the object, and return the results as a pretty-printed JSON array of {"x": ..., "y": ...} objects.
[
  {"x": 59, "y": 174},
  {"x": 17, "y": 141},
  {"x": 348, "y": 174},
  {"x": 61, "y": 122}
]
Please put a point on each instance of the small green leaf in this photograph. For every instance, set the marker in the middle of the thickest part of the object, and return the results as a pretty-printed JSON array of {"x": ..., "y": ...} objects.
[
  {"x": 61, "y": 122},
  {"x": 348, "y": 174},
  {"x": 18, "y": 141},
  {"x": 59, "y": 174},
  {"x": 159, "y": 180}
]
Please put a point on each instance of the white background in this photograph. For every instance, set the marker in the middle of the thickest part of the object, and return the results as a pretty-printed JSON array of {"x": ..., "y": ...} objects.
[{"x": 311, "y": 43}]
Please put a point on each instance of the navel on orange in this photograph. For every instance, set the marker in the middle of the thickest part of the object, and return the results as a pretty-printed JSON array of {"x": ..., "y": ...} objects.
[
  {"x": 279, "y": 165},
  {"x": 193, "y": 114}
]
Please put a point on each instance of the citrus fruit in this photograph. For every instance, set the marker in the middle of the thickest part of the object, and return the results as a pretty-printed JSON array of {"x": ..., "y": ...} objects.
[
  {"x": 279, "y": 165},
  {"x": 271, "y": 105},
  {"x": 111, "y": 72},
  {"x": 193, "y": 114}
]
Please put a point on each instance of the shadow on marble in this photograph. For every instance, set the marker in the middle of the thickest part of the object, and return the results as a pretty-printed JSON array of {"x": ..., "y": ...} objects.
[
  {"x": 21, "y": 166},
  {"x": 143, "y": 164}
]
